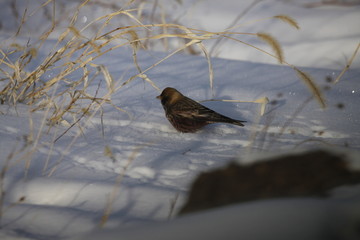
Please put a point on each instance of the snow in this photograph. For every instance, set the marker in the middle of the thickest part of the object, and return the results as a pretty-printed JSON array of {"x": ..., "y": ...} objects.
[
  {"x": 316, "y": 34},
  {"x": 315, "y": 219},
  {"x": 70, "y": 184}
]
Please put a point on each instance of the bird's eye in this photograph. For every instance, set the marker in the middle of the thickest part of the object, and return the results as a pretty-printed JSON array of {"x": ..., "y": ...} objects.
[{"x": 164, "y": 100}]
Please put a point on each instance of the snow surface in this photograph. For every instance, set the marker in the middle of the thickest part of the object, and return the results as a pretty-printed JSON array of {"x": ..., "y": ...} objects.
[
  {"x": 327, "y": 37},
  {"x": 310, "y": 219},
  {"x": 71, "y": 202}
]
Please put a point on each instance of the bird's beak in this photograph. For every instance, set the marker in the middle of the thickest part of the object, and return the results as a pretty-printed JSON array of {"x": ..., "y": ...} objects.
[{"x": 158, "y": 97}]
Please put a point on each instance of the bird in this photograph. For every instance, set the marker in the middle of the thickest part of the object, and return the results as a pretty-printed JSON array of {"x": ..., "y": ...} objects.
[{"x": 187, "y": 115}]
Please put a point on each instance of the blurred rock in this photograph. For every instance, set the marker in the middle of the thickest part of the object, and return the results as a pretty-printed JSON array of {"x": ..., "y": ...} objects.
[{"x": 312, "y": 173}]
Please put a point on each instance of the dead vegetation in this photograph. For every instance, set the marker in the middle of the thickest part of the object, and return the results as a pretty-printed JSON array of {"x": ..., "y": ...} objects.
[{"x": 77, "y": 50}]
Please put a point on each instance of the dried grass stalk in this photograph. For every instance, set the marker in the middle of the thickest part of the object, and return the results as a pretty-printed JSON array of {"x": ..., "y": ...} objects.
[
  {"x": 263, "y": 101},
  {"x": 289, "y": 20},
  {"x": 211, "y": 72},
  {"x": 274, "y": 44},
  {"x": 311, "y": 84},
  {"x": 348, "y": 64}
]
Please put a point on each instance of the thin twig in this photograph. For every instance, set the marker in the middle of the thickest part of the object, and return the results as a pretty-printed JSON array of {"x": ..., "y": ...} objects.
[
  {"x": 82, "y": 115},
  {"x": 348, "y": 64}
]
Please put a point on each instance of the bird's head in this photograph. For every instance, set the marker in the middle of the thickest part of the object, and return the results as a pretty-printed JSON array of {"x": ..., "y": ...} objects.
[{"x": 169, "y": 96}]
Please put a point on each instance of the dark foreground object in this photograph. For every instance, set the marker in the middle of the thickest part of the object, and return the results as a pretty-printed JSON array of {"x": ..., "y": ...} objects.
[{"x": 299, "y": 175}]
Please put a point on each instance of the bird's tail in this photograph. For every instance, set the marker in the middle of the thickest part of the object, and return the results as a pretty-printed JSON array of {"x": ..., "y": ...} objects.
[
  {"x": 225, "y": 119},
  {"x": 237, "y": 122}
]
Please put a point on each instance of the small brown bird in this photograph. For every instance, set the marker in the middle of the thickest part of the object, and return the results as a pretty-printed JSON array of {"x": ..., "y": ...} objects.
[{"x": 186, "y": 115}]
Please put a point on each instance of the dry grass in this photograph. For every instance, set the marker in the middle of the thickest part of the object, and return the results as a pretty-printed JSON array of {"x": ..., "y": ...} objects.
[
  {"x": 288, "y": 20},
  {"x": 348, "y": 64},
  {"x": 16, "y": 151},
  {"x": 75, "y": 51},
  {"x": 115, "y": 191}
]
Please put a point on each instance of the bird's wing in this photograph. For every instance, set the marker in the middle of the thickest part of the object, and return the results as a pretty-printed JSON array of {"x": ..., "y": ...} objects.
[{"x": 192, "y": 109}]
